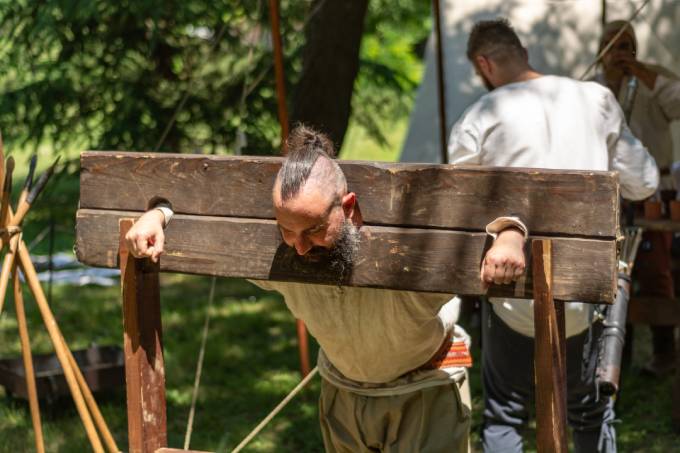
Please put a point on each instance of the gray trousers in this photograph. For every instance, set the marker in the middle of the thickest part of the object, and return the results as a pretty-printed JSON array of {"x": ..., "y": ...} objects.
[{"x": 508, "y": 375}]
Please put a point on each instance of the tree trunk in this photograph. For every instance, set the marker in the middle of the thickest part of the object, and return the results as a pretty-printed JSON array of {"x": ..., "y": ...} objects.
[{"x": 323, "y": 95}]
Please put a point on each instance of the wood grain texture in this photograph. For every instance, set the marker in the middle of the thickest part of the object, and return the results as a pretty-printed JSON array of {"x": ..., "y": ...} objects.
[
  {"x": 549, "y": 355},
  {"x": 143, "y": 348},
  {"x": 580, "y": 203},
  {"x": 395, "y": 258}
]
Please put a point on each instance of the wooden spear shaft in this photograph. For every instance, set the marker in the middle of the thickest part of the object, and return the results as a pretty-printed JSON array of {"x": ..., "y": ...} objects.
[
  {"x": 7, "y": 265},
  {"x": 55, "y": 336},
  {"x": 28, "y": 364},
  {"x": 91, "y": 403},
  {"x": 109, "y": 441}
]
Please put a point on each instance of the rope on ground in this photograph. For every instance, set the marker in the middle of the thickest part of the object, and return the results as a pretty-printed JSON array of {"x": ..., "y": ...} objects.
[
  {"x": 199, "y": 366},
  {"x": 276, "y": 410},
  {"x": 611, "y": 42}
]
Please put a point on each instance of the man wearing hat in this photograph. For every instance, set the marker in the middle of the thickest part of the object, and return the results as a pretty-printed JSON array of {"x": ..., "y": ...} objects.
[{"x": 650, "y": 97}]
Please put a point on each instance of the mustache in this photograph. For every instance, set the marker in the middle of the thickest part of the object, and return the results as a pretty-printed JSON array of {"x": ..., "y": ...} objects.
[
  {"x": 341, "y": 254},
  {"x": 316, "y": 254}
]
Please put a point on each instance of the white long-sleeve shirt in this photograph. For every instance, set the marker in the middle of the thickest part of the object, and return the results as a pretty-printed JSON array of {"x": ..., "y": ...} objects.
[
  {"x": 652, "y": 114},
  {"x": 557, "y": 123}
]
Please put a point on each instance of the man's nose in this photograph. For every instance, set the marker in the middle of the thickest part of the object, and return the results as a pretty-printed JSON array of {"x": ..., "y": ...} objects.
[{"x": 302, "y": 246}]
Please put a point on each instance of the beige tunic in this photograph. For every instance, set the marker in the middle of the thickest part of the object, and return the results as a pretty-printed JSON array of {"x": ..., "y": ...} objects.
[{"x": 372, "y": 338}]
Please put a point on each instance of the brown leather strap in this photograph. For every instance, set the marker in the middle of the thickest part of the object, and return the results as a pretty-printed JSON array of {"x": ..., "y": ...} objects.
[{"x": 438, "y": 356}]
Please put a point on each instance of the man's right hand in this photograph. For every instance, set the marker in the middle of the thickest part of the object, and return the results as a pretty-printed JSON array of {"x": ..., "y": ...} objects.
[{"x": 146, "y": 237}]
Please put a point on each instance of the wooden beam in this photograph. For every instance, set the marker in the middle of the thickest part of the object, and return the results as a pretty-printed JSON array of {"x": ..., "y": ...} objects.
[
  {"x": 654, "y": 311},
  {"x": 579, "y": 203},
  {"x": 549, "y": 355},
  {"x": 143, "y": 347},
  {"x": 396, "y": 258},
  {"x": 658, "y": 224}
]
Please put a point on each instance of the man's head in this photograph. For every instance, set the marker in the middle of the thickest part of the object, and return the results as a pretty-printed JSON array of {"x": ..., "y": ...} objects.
[
  {"x": 623, "y": 49},
  {"x": 496, "y": 52},
  {"x": 312, "y": 205}
]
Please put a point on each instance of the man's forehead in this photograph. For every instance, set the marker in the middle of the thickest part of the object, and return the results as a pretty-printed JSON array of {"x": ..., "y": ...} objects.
[
  {"x": 309, "y": 202},
  {"x": 625, "y": 36}
]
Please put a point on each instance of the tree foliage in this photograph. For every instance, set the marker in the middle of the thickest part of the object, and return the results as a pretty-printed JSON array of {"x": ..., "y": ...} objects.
[{"x": 111, "y": 75}]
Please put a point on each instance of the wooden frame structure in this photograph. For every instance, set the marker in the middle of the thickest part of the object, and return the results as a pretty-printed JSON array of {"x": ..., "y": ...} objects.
[{"x": 424, "y": 231}]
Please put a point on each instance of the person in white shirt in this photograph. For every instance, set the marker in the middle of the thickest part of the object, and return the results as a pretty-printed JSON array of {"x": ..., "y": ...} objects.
[
  {"x": 533, "y": 120},
  {"x": 385, "y": 384},
  {"x": 653, "y": 105}
]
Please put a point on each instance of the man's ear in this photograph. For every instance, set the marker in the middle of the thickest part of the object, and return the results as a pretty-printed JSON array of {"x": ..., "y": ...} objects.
[
  {"x": 350, "y": 206},
  {"x": 483, "y": 65}
]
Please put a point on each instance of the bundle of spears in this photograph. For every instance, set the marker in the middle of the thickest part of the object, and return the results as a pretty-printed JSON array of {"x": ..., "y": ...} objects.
[
  {"x": 614, "y": 317},
  {"x": 17, "y": 259}
]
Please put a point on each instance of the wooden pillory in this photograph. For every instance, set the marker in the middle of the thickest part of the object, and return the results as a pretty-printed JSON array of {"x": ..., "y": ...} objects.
[{"x": 424, "y": 231}]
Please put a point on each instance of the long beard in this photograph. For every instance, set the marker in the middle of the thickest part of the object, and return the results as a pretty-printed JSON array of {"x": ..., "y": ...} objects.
[
  {"x": 340, "y": 258},
  {"x": 346, "y": 249}
]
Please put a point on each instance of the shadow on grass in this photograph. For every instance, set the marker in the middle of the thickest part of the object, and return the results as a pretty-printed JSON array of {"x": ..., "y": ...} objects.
[{"x": 251, "y": 363}]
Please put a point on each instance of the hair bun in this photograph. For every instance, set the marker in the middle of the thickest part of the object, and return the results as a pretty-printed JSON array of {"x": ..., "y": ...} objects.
[{"x": 305, "y": 139}]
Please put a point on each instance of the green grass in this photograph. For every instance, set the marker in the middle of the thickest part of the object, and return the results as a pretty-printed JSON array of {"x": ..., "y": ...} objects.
[
  {"x": 358, "y": 145},
  {"x": 250, "y": 365}
]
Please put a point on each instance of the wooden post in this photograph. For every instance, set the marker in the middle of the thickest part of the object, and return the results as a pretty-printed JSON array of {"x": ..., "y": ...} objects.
[
  {"x": 28, "y": 363},
  {"x": 549, "y": 355},
  {"x": 441, "y": 85},
  {"x": 144, "y": 372},
  {"x": 277, "y": 45},
  {"x": 275, "y": 22}
]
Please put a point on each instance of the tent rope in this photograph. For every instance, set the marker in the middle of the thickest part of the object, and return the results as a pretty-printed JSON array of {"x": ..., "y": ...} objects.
[
  {"x": 199, "y": 366},
  {"x": 276, "y": 410}
]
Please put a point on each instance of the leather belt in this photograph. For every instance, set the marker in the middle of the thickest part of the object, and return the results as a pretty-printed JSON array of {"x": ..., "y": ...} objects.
[{"x": 439, "y": 355}]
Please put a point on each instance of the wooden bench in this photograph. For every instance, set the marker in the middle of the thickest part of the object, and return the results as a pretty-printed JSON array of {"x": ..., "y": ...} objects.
[{"x": 424, "y": 231}]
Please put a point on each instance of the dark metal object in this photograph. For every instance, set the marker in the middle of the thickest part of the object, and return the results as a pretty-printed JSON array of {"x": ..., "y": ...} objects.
[
  {"x": 50, "y": 260},
  {"x": 9, "y": 169},
  {"x": 42, "y": 181},
  {"x": 629, "y": 98},
  {"x": 28, "y": 184},
  {"x": 102, "y": 366},
  {"x": 441, "y": 87},
  {"x": 613, "y": 338}
]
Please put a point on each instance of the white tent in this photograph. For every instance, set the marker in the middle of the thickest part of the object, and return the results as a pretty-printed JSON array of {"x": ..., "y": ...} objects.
[{"x": 561, "y": 37}]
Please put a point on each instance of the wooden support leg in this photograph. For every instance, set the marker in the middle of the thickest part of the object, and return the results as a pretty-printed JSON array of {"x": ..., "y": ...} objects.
[
  {"x": 303, "y": 345},
  {"x": 28, "y": 364},
  {"x": 144, "y": 372},
  {"x": 549, "y": 356}
]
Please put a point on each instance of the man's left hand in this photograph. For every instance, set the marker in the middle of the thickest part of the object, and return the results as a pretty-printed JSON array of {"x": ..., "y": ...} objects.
[
  {"x": 641, "y": 71},
  {"x": 504, "y": 263}
]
